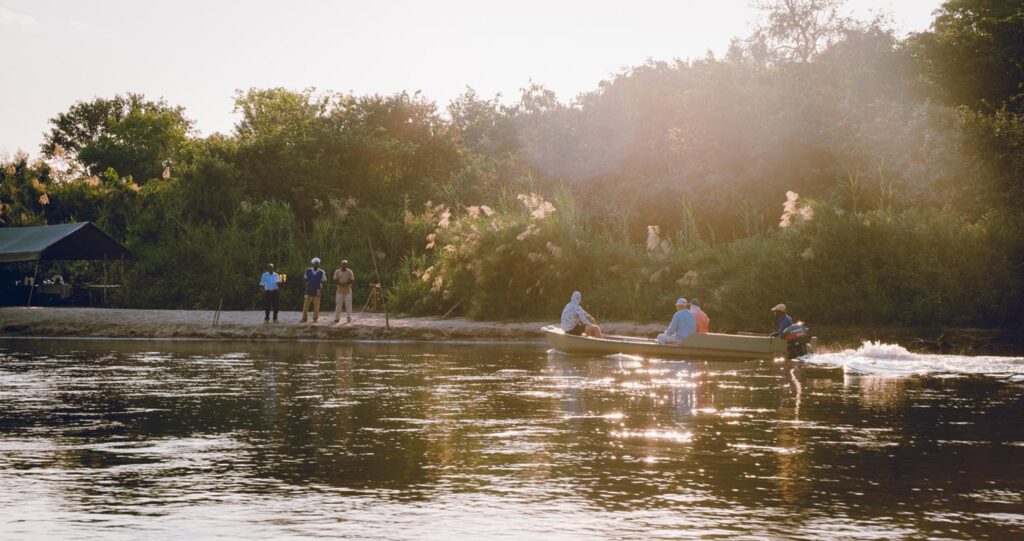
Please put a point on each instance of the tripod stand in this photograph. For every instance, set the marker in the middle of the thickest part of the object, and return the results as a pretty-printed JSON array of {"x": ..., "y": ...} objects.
[{"x": 375, "y": 301}]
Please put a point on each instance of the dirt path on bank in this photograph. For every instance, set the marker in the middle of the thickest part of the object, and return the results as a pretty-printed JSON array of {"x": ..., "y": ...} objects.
[{"x": 122, "y": 323}]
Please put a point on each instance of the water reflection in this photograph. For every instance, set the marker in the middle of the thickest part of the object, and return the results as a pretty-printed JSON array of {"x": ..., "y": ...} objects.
[{"x": 379, "y": 440}]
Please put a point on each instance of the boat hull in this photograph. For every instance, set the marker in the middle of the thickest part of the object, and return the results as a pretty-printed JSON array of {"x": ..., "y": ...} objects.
[{"x": 698, "y": 346}]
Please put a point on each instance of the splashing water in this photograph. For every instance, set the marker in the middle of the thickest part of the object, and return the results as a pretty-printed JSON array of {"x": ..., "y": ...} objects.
[{"x": 892, "y": 360}]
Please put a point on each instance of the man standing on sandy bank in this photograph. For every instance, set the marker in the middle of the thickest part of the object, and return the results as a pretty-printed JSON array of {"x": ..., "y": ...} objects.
[
  {"x": 269, "y": 282},
  {"x": 343, "y": 278},
  {"x": 315, "y": 278}
]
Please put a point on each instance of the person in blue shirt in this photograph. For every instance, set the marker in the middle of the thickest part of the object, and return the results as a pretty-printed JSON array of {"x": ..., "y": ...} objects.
[
  {"x": 781, "y": 318},
  {"x": 315, "y": 278},
  {"x": 683, "y": 325},
  {"x": 269, "y": 283}
]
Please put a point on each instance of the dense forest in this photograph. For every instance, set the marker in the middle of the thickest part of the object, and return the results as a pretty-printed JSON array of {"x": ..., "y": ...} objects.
[{"x": 821, "y": 161}]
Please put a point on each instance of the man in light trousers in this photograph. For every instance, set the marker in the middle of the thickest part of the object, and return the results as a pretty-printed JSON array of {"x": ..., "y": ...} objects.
[{"x": 343, "y": 278}]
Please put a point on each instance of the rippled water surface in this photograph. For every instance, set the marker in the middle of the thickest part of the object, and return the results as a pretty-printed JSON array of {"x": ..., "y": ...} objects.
[{"x": 179, "y": 440}]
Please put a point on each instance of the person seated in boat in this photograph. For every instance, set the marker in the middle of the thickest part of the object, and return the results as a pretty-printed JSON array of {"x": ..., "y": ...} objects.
[
  {"x": 703, "y": 321},
  {"x": 683, "y": 325},
  {"x": 781, "y": 319},
  {"x": 576, "y": 320}
]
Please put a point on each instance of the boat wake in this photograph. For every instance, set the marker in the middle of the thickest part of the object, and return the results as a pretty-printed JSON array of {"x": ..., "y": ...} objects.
[{"x": 892, "y": 360}]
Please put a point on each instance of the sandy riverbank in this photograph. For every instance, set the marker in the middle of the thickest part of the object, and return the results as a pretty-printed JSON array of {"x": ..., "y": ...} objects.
[{"x": 122, "y": 323}]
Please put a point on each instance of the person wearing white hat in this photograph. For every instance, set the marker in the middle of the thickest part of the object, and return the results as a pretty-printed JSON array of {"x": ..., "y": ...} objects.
[
  {"x": 315, "y": 278},
  {"x": 780, "y": 318},
  {"x": 683, "y": 325},
  {"x": 343, "y": 278}
]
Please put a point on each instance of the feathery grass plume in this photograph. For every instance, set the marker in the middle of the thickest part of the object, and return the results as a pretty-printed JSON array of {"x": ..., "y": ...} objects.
[
  {"x": 808, "y": 254},
  {"x": 530, "y": 230},
  {"x": 536, "y": 205},
  {"x": 793, "y": 208},
  {"x": 44, "y": 200},
  {"x": 342, "y": 209},
  {"x": 657, "y": 247},
  {"x": 688, "y": 279},
  {"x": 656, "y": 276},
  {"x": 431, "y": 241},
  {"x": 788, "y": 209},
  {"x": 554, "y": 250}
]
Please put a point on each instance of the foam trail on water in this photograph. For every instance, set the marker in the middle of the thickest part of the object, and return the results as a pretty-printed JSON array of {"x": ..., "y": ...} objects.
[{"x": 892, "y": 360}]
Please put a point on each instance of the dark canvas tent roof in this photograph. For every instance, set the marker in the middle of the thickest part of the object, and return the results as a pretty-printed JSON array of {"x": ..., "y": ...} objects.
[{"x": 64, "y": 241}]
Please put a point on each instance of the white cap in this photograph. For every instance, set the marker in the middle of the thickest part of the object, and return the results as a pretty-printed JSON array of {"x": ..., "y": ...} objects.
[
  {"x": 680, "y": 301},
  {"x": 315, "y": 260},
  {"x": 779, "y": 308}
]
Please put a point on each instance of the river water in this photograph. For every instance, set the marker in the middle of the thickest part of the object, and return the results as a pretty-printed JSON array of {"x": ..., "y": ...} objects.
[{"x": 105, "y": 439}]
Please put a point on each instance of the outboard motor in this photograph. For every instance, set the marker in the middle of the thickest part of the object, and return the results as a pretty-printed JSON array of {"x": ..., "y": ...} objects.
[{"x": 798, "y": 340}]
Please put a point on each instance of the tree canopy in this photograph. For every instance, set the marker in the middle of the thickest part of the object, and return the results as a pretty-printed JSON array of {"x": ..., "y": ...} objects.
[{"x": 132, "y": 135}]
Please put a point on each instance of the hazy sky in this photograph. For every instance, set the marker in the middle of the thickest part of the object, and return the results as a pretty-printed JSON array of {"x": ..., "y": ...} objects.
[{"x": 197, "y": 53}]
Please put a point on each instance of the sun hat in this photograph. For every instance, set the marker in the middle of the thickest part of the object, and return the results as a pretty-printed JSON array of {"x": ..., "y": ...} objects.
[
  {"x": 779, "y": 308},
  {"x": 680, "y": 301}
]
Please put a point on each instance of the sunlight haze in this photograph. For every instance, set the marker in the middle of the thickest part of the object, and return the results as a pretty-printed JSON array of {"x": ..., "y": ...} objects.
[{"x": 197, "y": 54}]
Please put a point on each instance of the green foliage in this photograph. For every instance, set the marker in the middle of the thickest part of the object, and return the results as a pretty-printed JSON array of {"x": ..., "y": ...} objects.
[
  {"x": 912, "y": 267},
  {"x": 24, "y": 191},
  {"x": 133, "y": 136},
  {"x": 972, "y": 55}
]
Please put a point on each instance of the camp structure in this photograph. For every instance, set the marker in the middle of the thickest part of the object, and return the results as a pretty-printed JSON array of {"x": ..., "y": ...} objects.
[{"x": 58, "y": 242}]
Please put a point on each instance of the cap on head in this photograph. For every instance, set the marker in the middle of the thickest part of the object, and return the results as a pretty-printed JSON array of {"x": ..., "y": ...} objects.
[
  {"x": 680, "y": 302},
  {"x": 316, "y": 261},
  {"x": 779, "y": 308},
  {"x": 344, "y": 262}
]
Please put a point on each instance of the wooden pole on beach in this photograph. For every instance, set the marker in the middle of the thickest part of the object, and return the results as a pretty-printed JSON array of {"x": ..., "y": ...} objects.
[
  {"x": 33, "y": 286},
  {"x": 373, "y": 256},
  {"x": 216, "y": 315}
]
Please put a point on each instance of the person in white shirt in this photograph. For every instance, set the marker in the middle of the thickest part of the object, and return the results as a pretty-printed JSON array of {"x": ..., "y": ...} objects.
[
  {"x": 576, "y": 320},
  {"x": 343, "y": 278}
]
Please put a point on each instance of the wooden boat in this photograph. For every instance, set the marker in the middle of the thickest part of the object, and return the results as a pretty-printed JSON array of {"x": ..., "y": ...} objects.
[{"x": 698, "y": 346}]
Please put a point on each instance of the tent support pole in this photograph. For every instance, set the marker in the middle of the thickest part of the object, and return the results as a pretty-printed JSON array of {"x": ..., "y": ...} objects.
[{"x": 32, "y": 288}]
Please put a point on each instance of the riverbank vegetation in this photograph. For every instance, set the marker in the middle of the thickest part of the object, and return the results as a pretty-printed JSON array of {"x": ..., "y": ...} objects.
[{"x": 823, "y": 162}]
